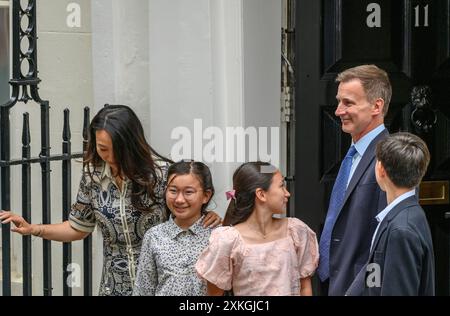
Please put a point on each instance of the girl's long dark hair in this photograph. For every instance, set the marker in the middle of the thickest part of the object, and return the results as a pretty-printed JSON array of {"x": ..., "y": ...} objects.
[
  {"x": 133, "y": 155},
  {"x": 246, "y": 179},
  {"x": 199, "y": 170}
]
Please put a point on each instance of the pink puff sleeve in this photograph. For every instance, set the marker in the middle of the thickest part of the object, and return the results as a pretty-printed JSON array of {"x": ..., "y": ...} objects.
[
  {"x": 216, "y": 262},
  {"x": 305, "y": 242}
]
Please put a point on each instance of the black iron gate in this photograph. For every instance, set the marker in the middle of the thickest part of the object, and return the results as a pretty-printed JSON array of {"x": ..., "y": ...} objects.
[{"x": 24, "y": 84}]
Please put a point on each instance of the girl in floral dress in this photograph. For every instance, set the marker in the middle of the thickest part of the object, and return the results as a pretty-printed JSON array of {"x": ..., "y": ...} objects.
[{"x": 171, "y": 249}]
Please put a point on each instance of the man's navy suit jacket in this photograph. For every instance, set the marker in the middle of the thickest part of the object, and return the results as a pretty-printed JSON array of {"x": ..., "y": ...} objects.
[{"x": 356, "y": 223}]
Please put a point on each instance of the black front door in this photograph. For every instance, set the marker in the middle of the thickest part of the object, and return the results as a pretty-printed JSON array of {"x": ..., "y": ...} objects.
[{"x": 410, "y": 39}]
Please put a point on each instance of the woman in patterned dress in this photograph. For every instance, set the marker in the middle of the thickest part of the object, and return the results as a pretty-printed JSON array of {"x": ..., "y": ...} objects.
[{"x": 121, "y": 191}]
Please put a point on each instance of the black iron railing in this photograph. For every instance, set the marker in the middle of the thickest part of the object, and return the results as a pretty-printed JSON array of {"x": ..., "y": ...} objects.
[{"x": 24, "y": 84}]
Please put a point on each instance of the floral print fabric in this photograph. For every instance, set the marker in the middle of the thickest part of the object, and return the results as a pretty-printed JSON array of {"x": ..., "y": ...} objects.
[{"x": 99, "y": 203}]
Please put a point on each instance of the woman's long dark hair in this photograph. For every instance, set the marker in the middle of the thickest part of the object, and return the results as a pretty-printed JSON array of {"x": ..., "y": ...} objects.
[
  {"x": 199, "y": 170},
  {"x": 246, "y": 179},
  {"x": 133, "y": 155}
]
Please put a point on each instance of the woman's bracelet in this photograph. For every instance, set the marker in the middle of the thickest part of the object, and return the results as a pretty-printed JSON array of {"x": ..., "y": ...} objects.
[{"x": 41, "y": 230}]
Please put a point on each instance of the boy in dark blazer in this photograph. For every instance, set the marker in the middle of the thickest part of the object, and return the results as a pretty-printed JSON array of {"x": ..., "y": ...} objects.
[{"x": 401, "y": 260}]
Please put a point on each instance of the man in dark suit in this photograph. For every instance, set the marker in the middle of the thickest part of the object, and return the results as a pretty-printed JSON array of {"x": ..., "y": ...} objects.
[
  {"x": 401, "y": 260},
  {"x": 363, "y": 99}
]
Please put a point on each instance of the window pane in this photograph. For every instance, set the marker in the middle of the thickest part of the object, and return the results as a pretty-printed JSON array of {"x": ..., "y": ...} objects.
[{"x": 4, "y": 54}]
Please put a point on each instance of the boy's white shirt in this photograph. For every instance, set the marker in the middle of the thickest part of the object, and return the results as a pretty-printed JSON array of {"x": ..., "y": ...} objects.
[{"x": 387, "y": 209}]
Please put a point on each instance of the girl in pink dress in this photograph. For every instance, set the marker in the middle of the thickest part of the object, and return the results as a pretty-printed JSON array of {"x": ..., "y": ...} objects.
[{"x": 255, "y": 253}]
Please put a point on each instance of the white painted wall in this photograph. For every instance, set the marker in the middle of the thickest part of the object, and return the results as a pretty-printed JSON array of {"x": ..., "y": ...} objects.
[
  {"x": 65, "y": 68},
  {"x": 262, "y": 71},
  {"x": 218, "y": 60},
  {"x": 172, "y": 61},
  {"x": 262, "y": 55},
  {"x": 215, "y": 60},
  {"x": 121, "y": 55},
  {"x": 196, "y": 73}
]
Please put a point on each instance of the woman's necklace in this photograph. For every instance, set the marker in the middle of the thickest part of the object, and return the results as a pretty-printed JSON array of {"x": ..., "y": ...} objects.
[{"x": 264, "y": 236}]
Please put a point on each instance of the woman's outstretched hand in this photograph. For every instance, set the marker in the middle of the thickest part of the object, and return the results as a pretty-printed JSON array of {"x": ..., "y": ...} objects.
[
  {"x": 21, "y": 225},
  {"x": 212, "y": 219}
]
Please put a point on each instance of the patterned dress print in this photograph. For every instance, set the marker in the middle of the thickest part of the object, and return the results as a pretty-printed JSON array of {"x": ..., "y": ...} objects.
[
  {"x": 100, "y": 203},
  {"x": 168, "y": 257}
]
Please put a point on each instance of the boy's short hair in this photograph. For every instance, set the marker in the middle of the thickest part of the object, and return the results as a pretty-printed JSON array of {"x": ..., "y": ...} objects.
[{"x": 405, "y": 158}]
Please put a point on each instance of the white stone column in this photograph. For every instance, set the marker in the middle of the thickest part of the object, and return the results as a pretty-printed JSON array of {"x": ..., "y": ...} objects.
[
  {"x": 121, "y": 55},
  {"x": 228, "y": 82}
]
